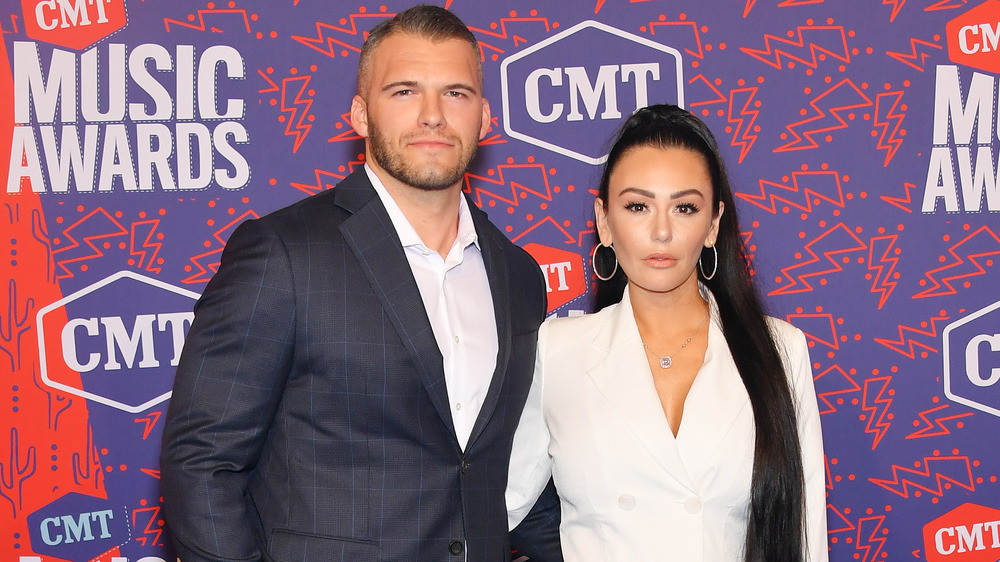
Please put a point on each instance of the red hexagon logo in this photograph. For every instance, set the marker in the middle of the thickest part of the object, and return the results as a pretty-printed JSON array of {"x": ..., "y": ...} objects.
[
  {"x": 974, "y": 37},
  {"x": 563, "y": 272},
  {"x": 75, "y": 24},
  {"x": 968, "y": 533}
]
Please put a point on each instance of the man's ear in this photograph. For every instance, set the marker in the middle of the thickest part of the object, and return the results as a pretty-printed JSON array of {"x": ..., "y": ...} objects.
[
  {"x": 359, "y": 116},
  {"x": 485, "y": 126}
]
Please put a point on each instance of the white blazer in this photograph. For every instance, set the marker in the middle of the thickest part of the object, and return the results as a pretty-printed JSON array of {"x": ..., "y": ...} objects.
[{"x": 630, "y": 490}]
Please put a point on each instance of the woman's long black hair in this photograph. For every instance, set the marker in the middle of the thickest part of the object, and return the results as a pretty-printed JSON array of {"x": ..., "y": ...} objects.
[{"x": 776, "y": 517}]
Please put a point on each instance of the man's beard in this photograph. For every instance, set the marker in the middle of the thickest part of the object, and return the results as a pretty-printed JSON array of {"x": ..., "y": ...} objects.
[{"x": 428, "y": 178}]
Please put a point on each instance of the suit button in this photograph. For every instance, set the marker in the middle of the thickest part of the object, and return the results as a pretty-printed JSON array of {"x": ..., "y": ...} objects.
[
  {"x": 455, "y": 548},
  {"x": 692, "y": 505},
  {"x": 626, "y": 501},
  {"x": 463, "y": 466}
]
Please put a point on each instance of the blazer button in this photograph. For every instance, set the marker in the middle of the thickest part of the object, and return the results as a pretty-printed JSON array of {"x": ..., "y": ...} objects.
[
  {"x": 463, "y": 466},
  {"x": 692, "y": 505},
  {"x": 456, "y": 548},
  {"x": 626, "y": 501}
]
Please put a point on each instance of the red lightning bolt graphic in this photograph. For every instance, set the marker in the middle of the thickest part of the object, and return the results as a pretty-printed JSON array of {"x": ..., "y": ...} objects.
[
  {"x": 505, "y": 34},
  {"x": 99, "y": 220},
  {"x": 883, "y": 280},
  {"x": 806, "y": 186},
  {"x": 772, "y": 54},
  {"x": 150, "y": 422},
  {"x": 684, "y": 31},
  {"x": 536, "y": 170},
  {"x": 936, "y": 427},
  {"x": 743, "y": 137},
  {"x": 897, "y": 5},
  {"x": 843, "y": 97},
  {"x": 845, "y": 384},
  {"x": 869, "y": 539},
  {"x": 301, "y": 127},
  {"x": 200, "y": 26},
  {"x": 877, "y": 404},
  {"x": 953, "y": 469},
  {"x": 208, "y": 262},
  {"x": 348, "y": 133},
  {"x": 897, "y": 345},
  {"x": 901, "y": 202},
  {"x": 326, "y": 44},
  {"x": 980, "y": 244},
  {"x": 152, "y": 527},
  {"x": 886, "y": 104},
  {"x": 147, "y": 244},
  {"x": 910, "y": 59},
  {"x": 842, "y": 241},
  {"x": 321, "y": 184}
]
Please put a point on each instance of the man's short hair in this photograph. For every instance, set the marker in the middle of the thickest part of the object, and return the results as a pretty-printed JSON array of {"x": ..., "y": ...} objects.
[{"x": 428, "y": 22}]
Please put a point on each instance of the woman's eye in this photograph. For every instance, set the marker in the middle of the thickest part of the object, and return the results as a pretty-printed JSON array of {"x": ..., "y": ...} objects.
[
  {"x": 635, "y": 207},
  {"x": 687, "y": 208}
]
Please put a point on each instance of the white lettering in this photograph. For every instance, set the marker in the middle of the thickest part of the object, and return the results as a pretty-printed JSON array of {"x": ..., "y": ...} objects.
[
  {"x": 580, "y": 87},
  {"x": 970, "y": 539},
  {"x": 70, "y": 355},
  {"x": 972, "y": 369},
  {"x": 939, "y": 540},
  {"x": 533, "y": 100}
]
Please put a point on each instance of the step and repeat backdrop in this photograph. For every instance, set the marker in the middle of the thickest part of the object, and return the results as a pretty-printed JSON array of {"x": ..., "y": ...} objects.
[{"x": 861, "y": 136}]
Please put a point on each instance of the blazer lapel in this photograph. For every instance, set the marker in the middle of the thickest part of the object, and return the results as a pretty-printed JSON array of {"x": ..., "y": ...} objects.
[
  {"x": 620, "y": 372},
  {"x": 371, "y": 236},
  {"x": 715, "y": 402},
  {"x": 495, "y": 260}
]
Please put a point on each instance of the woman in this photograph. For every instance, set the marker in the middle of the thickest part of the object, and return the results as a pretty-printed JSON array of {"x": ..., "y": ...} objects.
[{"x": 645, "y": 413}]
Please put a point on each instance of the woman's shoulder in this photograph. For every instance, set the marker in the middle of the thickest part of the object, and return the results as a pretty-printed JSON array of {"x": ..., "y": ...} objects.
[{"x": 558, "y": 328}]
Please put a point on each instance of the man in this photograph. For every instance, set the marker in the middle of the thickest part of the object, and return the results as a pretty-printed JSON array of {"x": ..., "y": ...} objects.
[{"x": 351, "y": 383}]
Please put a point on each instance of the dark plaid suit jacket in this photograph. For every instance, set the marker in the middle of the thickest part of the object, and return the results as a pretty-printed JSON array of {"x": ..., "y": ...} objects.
[{"x": 310, "y": 418}]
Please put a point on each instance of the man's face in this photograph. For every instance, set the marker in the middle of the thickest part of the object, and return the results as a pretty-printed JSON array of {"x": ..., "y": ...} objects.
[{"x": 422, "y": 111}]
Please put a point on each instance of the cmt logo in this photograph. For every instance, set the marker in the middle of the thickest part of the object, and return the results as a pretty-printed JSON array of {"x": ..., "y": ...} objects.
[
  {"x": 78, "y": 527},
  {"x": 563, "y": 273},
  {"x": 968, "y": 533},
  {"x": 570, "y": 92},
  {"x": 974, "y": 37},
  {"x": 971, "y": 353},
  {"x": 75, "y": 24},
  {"x": 117, "y": 341}
]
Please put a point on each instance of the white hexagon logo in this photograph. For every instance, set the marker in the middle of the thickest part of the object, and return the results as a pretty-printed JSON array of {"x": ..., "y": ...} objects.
[
  {"x": 570, "y": 92},
  {"x": 116, "y": 342},
  {"x": 971, "y": 353}
]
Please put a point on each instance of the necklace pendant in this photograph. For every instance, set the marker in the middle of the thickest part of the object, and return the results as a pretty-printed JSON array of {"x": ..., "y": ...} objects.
[{"x": 665, "y": 362}]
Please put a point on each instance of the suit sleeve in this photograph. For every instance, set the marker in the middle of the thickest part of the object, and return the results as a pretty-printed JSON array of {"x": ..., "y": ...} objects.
[
  {"x": 811, "y": 443},
  {"x": 530, "y": 464},
  {"x": 229, "y": 383}
]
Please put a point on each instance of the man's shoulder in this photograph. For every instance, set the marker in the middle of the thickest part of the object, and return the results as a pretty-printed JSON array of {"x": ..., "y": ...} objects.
[{"x": 328, "y": 207}]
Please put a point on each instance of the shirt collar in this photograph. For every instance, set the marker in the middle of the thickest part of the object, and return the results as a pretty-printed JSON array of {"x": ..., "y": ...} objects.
[{"x": 407, "y": 235}]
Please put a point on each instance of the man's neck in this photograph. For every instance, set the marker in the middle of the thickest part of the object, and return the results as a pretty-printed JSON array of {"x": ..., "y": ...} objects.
[{"x": 432, "y": 213}]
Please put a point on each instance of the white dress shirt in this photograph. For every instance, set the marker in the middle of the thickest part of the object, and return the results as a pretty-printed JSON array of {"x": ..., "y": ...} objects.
[
  {"x": 459, "y": 305},
  {"x": 630, "y": 490}
]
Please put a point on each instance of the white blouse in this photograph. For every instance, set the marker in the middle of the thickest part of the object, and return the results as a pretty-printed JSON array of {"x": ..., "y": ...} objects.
[{"x": 629, "y": 489}]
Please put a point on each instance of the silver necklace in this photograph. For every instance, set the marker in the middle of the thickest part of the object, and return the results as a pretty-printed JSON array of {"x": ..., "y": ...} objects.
[{"x": 666, "y": 361}]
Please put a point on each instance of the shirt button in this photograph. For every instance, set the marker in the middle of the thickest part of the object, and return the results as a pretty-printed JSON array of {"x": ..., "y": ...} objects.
[
  {"x": 458, "y": 406},
  {"x": 626, "y": 501},
  {"x": 455, "y": 548},
  {"x": 692, "y": 505},
  {"x": 456, "y": 339}
]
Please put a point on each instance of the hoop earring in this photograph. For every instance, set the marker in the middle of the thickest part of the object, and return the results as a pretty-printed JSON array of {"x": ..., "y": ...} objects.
[
  {"x": 715, "y": 264},
  {"x": 593, "y": 262}
]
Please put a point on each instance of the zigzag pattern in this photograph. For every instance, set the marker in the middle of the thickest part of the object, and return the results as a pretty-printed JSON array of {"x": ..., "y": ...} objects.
[
  {"x": 799, "y": 283},
  {"x": 201, "y": 26},
  {"x": 776, "y": 48},
  {"x": 928, "y": 429},
  {"x": 928, "y": 480},
  {"x": 324, "y": 44},
  {"x": 743, "y": 137},
  {"x": 982, "y": 235},
  {"x": 825, "y": 121},
  {"x": 877, "y": 404},
  {"x": 890, "y": 145},
  {"x": 883, "y": 284},
  {"x": 910, "y": 59},
  {"x": 771, "y": 192},
  {"x": 901, "y": 202},
  {"x": 897, "y": 345}
]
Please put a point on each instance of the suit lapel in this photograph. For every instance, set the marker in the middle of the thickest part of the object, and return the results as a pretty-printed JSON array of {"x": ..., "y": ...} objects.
[
  {"x": 621, "y": 374},
  {"x": 371, "y": 236},
  {"x": 495, "y": 260}
]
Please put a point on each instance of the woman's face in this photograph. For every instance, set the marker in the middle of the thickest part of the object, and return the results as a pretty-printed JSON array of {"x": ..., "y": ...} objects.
[{"x": 659, "y": 216}]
